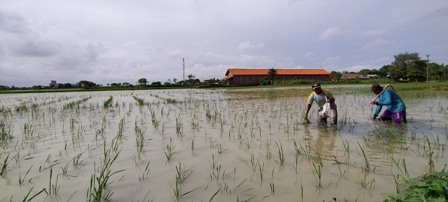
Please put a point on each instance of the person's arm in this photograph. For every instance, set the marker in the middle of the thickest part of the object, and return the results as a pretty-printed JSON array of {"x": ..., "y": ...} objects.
[
  {"x": 309, "y": 102},
  {"x": 308, "y": 107},
  {"x": 377, "y": 111},
  {"x": 378, "y": 105}
]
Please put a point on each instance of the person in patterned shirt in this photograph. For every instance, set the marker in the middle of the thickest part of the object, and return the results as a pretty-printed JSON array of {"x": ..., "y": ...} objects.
[{"x": 320, "y": 97}]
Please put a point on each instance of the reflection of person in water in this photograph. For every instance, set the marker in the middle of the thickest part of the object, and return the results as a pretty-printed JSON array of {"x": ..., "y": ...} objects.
[{"x": 324, "y": 145}]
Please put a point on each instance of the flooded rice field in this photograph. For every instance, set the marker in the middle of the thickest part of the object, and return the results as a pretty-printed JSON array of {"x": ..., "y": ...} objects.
[{"x": 211, "y": 145}]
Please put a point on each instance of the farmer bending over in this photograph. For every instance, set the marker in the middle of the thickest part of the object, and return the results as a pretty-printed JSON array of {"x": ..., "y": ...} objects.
[
  {"x": 321, "y": 97},
  {"x": 396, "y": 109}
]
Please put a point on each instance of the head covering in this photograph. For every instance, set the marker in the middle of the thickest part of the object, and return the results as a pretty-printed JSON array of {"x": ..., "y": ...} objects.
[
  {"x": 376, "y": 86},
  {"x": 315, "y": 85}
]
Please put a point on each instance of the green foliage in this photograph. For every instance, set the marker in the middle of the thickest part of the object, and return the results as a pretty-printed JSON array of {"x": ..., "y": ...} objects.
[
  {"x": 142, "y": 81},
  {"x": 271, "y": 75},
  {"x": 430, "y": 187},
  {"x": 108, "y": 102},
  {"x": 336, "y": 75},
  {"x": 86, "y": 84},
  {"x": 265, "y": 81}
]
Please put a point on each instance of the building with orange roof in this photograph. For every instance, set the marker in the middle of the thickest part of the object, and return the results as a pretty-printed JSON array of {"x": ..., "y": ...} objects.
[{"x": 253, "y": 77}]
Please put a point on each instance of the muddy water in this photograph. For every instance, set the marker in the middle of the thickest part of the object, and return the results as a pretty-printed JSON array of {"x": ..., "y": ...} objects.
[{"x": 224, "y": 145}]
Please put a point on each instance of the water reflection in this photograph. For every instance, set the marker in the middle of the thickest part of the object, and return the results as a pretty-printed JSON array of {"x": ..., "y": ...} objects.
[{"x": 321, "y": 140}]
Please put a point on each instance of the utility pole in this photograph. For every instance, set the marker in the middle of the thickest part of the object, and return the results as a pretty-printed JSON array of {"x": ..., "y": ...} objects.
[
  {"x": 427, "y": 68},
  {"x": 183, "y": 70}
]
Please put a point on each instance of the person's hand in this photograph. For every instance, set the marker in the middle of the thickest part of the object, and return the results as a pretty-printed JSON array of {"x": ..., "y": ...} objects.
[
  {"x": 374, "y": 103},
  {"x": 374, "y": 117}
]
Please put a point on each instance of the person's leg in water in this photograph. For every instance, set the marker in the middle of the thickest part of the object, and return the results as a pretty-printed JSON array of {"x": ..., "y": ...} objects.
[
  {"x": 399, "y": 117},
  {"x": 322, "y": 120},
  {"x": 386, "y": 116},
  {"x": 333, "y": 114}
]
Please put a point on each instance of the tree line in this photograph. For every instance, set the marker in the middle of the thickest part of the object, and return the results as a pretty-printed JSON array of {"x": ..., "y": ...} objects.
[{"x": 406, "y": 67}]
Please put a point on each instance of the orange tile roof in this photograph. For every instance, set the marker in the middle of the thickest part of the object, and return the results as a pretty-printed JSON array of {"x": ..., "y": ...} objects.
[{"x": 232, "y": 72}]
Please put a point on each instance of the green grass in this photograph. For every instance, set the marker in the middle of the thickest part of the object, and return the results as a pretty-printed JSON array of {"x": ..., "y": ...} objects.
[{"x": 430, "y": 187}]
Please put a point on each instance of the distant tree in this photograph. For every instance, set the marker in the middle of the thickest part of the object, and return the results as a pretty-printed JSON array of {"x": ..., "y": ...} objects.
[
  {"x": 384, "y": 71},
  {"x": 192, "y": 80},
  {"x": 212, "y": 81},
  {"x": 174, "y": 81},
  {"x": 444, "y": 70},
  {"x": 336, "y": 75},
  {"x": 157, "y": 83},
  {"x": 86, "y": 84},
  {"x": 271, "y": 75},
  {"x": 364, "y": 72},
  {"x": 68, "y": 85},
  {"x": 416, "y": 71},
  {"x": 142, "y": 81},
  {"x": 399, "y": 66}
]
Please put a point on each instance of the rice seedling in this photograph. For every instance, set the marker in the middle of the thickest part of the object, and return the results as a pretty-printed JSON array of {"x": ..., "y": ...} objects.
[
  {"x": 317, "y": 173},
  {"x": 346, "y": 146},
  {"x": 182, "y": 173},
  {"x": 107, "y": 103},
  {"x": 26, "y": 199},
  {"x": 272, "y": 187},
  {"x": 53, "y": 188},
  {"x": 366, "y": 166},
  {"x": 140, "y": 101},
  {"x": 192, "y": 144},
  {"x": 155, "y": 122},
  {"x": 401, "y": 165},
  {"x": 171, "y": 101},
  {"x": 169, "y": 150},
  {"x": 144, "y": 173},
  {"x": 22, "y": 180},
  {"x": 431, "y": 162},
  {"x": 98, "y": 181},
  {"x": 4, "y": 166},
  {"x": 261, "y": 171},
  {"x": 139, "y": 138},
  {"x": 213, "y": 196},
  {"x": 179, "y": 126},
  {"x": 121, "y": 129},
  {"x": 5, "y": 131},
  {"x": 281, "y": 155},
  {"x": 64, "y": 168},
  {"x": 365, "y": 183},
  {"x": 301, "y": 192},
  {"x": 77, "y": 161}
]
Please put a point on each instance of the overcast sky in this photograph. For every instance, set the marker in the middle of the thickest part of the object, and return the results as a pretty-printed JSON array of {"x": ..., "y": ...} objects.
[{"x": 115, "y": 41}]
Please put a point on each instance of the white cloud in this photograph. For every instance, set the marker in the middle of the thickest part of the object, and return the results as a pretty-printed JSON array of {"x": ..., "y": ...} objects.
[
  {"x": 116, "y": 41},
  {"x": 248, "y": 46},
  {"x": 378, "y": 44},
  {"x": 329, "y": 33}
]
